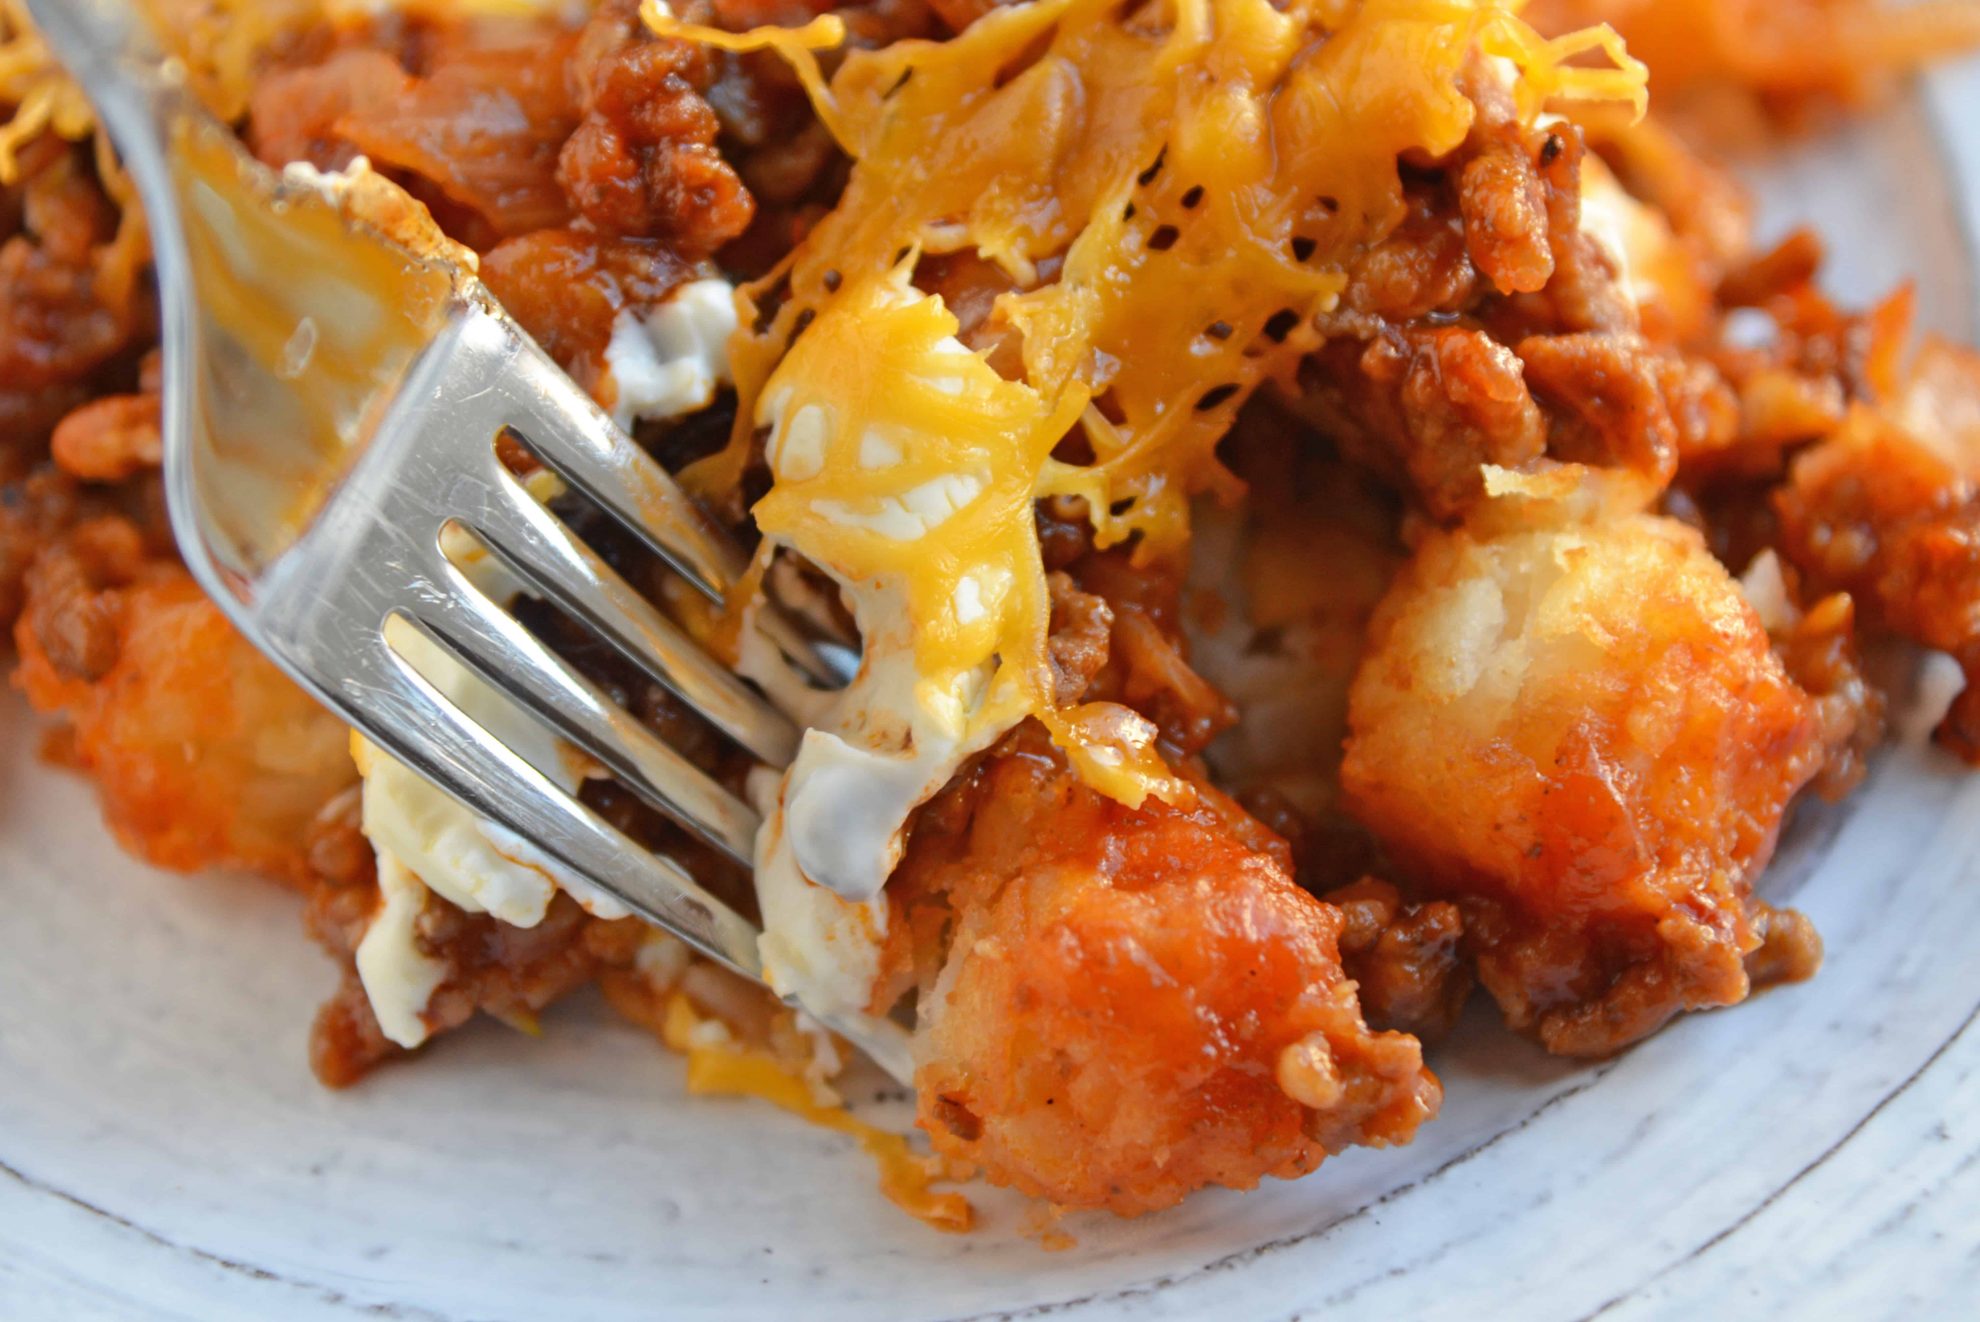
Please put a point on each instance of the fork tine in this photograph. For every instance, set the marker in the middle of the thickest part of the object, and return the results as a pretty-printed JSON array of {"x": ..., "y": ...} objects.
[
  {"x": 604, "y": 465},
  {"x": 417, "y": 724},
  {"x": 536, "y": 546},
  {"x": 518, "y": 665},
  {"x": 421, "y": 727}
]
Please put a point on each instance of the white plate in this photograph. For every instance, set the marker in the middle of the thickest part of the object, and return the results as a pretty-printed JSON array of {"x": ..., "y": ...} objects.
[{"x": 164, "y": 1152}]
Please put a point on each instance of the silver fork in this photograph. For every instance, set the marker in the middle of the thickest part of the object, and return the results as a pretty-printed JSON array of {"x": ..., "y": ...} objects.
[{"x": 332, "y": 404}]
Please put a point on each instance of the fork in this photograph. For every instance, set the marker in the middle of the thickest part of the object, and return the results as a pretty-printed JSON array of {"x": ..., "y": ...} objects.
[{"x": 332, "y": 405}]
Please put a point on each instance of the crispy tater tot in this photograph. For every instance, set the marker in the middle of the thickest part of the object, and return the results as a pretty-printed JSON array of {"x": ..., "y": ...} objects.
[
  {"x": 1136, "y": 1003},
  {"x": 1575, "y": 727},
  {"x": 205, "y": 753},
  {"x": 1887, "y": 509}
]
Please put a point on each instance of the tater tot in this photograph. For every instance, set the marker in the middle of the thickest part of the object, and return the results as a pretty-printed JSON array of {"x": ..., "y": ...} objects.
[
  {"x": 205, "y": 753},
  {"x": 1575, "y": 727},
  {"x": 1136, "y": 1003}
]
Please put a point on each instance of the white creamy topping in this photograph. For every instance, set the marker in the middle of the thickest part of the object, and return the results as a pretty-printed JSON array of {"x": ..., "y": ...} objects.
[
  {"x": 664, "y": 365},
  {"x": 833, "y": 823},
  {"x": 399, "y": 979},
  {"x": 426, "y": 842},
  {"x": 669, "y": 362},
  {"x": 816, "y": 946}
]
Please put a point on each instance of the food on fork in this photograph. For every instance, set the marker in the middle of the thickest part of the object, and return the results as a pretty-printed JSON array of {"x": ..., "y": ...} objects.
[{"x": 1316, "y": 541}]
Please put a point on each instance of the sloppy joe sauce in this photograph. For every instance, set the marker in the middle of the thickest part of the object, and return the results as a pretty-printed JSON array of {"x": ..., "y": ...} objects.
[{"x": 1449, "y": 311}]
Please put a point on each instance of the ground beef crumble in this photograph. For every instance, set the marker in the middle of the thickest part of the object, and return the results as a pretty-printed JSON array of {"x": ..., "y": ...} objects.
[{"x": 595, "y": 168}]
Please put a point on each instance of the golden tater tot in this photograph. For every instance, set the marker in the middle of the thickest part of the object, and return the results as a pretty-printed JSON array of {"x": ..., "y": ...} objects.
[
  {"x": 204, "y": 752},
  {"x": 1576, "y": 728},
  {"x": 1137, "y": 1003}
]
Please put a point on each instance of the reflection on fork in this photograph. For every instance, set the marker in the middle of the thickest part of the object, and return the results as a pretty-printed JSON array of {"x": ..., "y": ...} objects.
[{"x": 333, "y": 402}]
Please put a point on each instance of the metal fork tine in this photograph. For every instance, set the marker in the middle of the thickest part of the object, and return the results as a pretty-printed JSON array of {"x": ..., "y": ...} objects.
[
  {"x": 419, "y": 726},
  {"x": 413, "y": 384},
  {"x": 604, "y": 465},
  {"x": 517, "y": 664},
  {"x": 537, "y": 547}
]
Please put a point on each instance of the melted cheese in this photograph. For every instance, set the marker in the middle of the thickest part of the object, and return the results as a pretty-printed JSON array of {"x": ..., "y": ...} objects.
[
  {"x": 899, "y": 437},
  {"x": 719, "y": 1065},
  {"x": 1171, "y": 191},
  {"x": 905, "y": 467}
]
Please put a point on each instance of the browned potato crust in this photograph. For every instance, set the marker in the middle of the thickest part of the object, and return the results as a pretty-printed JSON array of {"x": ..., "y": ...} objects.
[
  {"x": 205, "y": 753},
  {"x": 1577, "y": 729},
  {"x": 1136, "y": 1003}
]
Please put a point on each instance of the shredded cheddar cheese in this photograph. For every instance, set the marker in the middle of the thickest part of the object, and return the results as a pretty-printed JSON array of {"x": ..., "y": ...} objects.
[
  {"x": 721, "y": 1065},
  {"x": 890, "y": 439},
  {"x": 1171, "y": 191},
  {"x": 44, "y": 99}
]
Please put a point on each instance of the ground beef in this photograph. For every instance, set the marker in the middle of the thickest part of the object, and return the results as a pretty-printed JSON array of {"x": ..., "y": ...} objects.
[
  {"x": 114, "y": 438},
  {"x": 581, "y": 162},
  {"x": 1081, "y": 628},
  {"x": 1157, "y": 680},
  {"x": 1406, "y": 959},
  {"x": 509, "y": 972},
  {"x": 483, "y": 126},
  {"x": 298, "y": 114},
  {"x": 1488, "y": 328},
  {"x": 1619, "y": 402},
  {"x": 66, "y": 325},
  {"x": 33, "y": 511},
  {"x": 1502, "y": 196},
  {"x": 566, "y": 287},
  {"x": 1875, "y": 513},
  {"x": 643, "y": 160},
  {"x": 1430, "y": 406}
]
